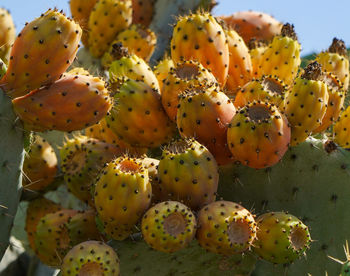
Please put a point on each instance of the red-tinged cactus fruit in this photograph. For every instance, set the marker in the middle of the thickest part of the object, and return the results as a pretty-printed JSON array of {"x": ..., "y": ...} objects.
[
  {"x": 253, "y": 24},
  {"x": 225, "y": 227},
  {"x": 40, "y": 165},
  {"x": 335, "y": 103},
  {"x": 49, "y": 43},
  {"x": 188, "y": 173},
  {"x": 162, "y": 69},
  {"x": 206, "y": 109},
  {"x": 281, "y": 238},
  {"x": 256, "y": 50},
  {"x": 7, "y": 34},
  {"x": 341, "y": 129},
  {"x": 240, "y": 69},
  {"x": 80, "y": 10},
  {"x": 131, "y": 67},
  {"x": 142, "y": 11},
  {"x": 107, "y": 19},
  {"x": 200, "y": 37},
  {"x": 52, "y": 238},
  {"x": 258, "y": 135},
  {"x": 306, "y": 104},
  {"x": 138, "y": 117},
  {"x": 91, "y": 258},
  {"x": 282, "y": 57},
  {"x": 336, "y": 61},
  {"x": 185, "y": 75},
  {"x": 82, "y": 159},
  {"x": 168, "y": 226},
  {"x": 37, "y": 209},
  {"x": 268, "y": 88},
  {"x": 122, "y": 194},
  {"x": 73, "y": 102}
]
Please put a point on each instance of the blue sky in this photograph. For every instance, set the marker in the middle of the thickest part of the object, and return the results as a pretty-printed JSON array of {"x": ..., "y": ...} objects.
[{"x": 316, "y": 22}]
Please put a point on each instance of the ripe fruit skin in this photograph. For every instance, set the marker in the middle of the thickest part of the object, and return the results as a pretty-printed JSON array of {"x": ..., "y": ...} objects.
[
  {"x": 49, "y": 43},
  {"x": 91, "y": 258},
  {"x": 71, "y": 103},
  {"x": 122, "y": 194},
  {"x": 226, "y": 228},
  {"x": 40, "y": 166},
  {"x": 107, "y": 19},
  {"x": 341, "y": 129},
  {"x": 168, "y": 226},
  {"x": 188, "y": 172},
  {"x": 258, "y": 135},
  {"x": 142, "y": 11},
  {"x": 281, "y": 237},
  {"x": 199, "y": 37},
  {"x": 8, "y": 34},
  {"x": 256, "y": 50},
  {"x": 162, "y": 69}
]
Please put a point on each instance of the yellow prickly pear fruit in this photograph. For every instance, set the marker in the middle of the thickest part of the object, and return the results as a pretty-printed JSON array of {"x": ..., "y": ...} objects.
[
  {"x": 7, "y": 34},
  {"x": 341, "y": 129},
  {"x": 162, "y": 69},
  {"x": 256, "y": 50}
]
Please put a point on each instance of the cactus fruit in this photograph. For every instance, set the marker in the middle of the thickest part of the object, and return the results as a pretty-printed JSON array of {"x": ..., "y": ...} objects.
[
  {"x": 91, "y": 258},
  {"x": 162, "y": 69},
  {"x": 253, "y": 24},
  {"x": 256, "y": 51},
  {"x": 226, "y": 228},
  {"x": 188, "y": 173},
  {"x": 168, "y": 226},
  {"x": 336, "y": 61},
  {"x": 341, "y": 129},
  {"x": 282, "y": 57},
  {"x": 122, "y": 194},
  {"x": 107, "y": 19},
  {"x": 306, "y": 103},
  {"x": 185, "y": 75},
  {"x": 200, "y": 37},
  {"x": 87, "y": 61},
  {"x": 7, "y": 34},
  {"x": 202, "y": 109},
  {"x": 258, "y": 135},
  {"x": 142, "y": 11},
  {"x": 3, "y": 68},
  {"x": 82, "y": 158},
  {"x": 71, "y": 103},
  {"x": 49, "y": 43},
  {"x": 40, "y": 165},
  {"x": 138, "y": 117}
]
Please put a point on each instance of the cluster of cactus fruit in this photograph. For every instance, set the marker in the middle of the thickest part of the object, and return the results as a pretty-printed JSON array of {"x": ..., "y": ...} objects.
[{"x": 199, "y": 156}]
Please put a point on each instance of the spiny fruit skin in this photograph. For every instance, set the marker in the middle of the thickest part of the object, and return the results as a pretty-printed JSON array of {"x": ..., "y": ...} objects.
[
  {"x": 240, "y": 68},
  {"x": 282, "y": 57},
  {"x": 48, "y": 43},
  {"x": 188, "y": 172},
  {"x": 37, "y": 209},
  {"x": 306, "y": 104},
  {"x": 122, "y": 194},
  {"x": 71, "y": 103},
  {"x": 142, "y": 11},
  {"x": 151, "y": 164},
  {"x": 3, "y": 68},
  {"x": 91, "y": 258},
  {"x": 40, "y": 165},
  {"x": 185, "y": 75},
  {"x": 336, "y": 61},
  {"x": 51, "y": 237},
  {"x": 200, "y": 37},
  {"x": 225, "y": 227},
  {"x": 281, "y": 237},
  {"x": 82, "y": 158},
  {"x": 8, "y": 34},
  {"x": 258, "y": 135},
  {"x": 107, "y": 19},
  {"x": 256, "y": 51},
  {"x": 253, "y": 24},
  {"x": 341, "y": 129},
  {"x": 162, "y": 69},
  {"x": 268, "y": 88},
  {"x": 138, "y": 117},
  {"x": 203, "y": 109},
  {"x": 168, "y": 226}
]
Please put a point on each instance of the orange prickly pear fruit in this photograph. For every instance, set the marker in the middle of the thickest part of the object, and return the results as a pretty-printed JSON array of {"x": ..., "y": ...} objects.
[
  {"x": 200, "y": 37},
  {"x": 142, "y": 11},
  {"x": 7, "y": 34},
  {"x": 162, "y": 69},
  {"x": 341, "y": 129},
  {"x": 49, "y": 43},
  {"x": 107, "y": 19},
  {"x": 256, "y": 50},
  {"x": 71, "y": 103}
]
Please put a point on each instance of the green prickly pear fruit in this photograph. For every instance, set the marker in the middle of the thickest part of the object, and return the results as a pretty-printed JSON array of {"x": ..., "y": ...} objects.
[
  {"x": 91, "y": 258},
  {"x": 225, "y": 227},
  {"x": 50, "y": 43},
  {"x": 188, "y": 172},
  {"x": 168, "y": 226},
  {"x": 7, "y": 34},
  {"x": 281, "y": 237}
]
